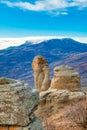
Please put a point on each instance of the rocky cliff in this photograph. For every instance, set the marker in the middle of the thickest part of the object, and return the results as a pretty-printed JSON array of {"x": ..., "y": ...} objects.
[
  {"x": 63, "y": 93},
  {"x": 17, "y": 105}
]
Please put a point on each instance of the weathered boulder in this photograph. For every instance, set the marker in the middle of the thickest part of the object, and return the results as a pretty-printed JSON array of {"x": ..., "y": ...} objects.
[
  {"x": 41, "y": 73},
  {"x": 17, "y": 104},
  {"x": 76, "y": 96},
  {"x": 35, "y": 125},
  {"x": 4, "y": 81},
  {"x": 65, "y": 77},
  {"x": 54, "y": 105},
  {"x": 54, "y": 100}
]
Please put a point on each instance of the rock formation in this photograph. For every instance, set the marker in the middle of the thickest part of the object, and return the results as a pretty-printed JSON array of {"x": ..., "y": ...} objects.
[
  {"x": 65, "y": 77},
  {"x": 54, "y": 105},
  {"x": 41, "y": 73},
  {"x": 46, "y": 82},
  {"x": 63, "y": 92},
  {"x": 17, "y": 106},
  {"x": 53, "y": 100}
]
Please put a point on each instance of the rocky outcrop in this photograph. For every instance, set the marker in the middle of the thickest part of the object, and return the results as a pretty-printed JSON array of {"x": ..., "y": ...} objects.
[
  {"x": 53, "y": 100},
  {"x": 65, "y": 77},
  {"x": 64, "y": 92},
  {"x": 17, "y": 105},
  {"x": 54, "y": 106},
  {"x": 41, "y": 73}
]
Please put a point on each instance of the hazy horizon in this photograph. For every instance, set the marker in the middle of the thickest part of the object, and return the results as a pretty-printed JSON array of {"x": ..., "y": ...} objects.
[
  {"x": 7, "y": 42},
  {"x": 42, "y": 19}
]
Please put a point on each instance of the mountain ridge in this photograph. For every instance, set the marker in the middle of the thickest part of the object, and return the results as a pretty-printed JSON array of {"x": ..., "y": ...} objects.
[{"x": 15, "y": 62}]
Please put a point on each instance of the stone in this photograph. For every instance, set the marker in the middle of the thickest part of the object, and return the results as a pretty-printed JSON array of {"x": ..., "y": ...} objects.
[
  {"x": 17, "y": 102},
  {"x": 54, "y": 95},
  {"x": 53, "y": 100},
  {"x": 4, "y": 81},
  {"x": 77, "y": 96},
  {"x": 15, "y": 128},
  {"x": 65, "y": 77},
  {"x": 3, "y": 128},
  {"x": 46, "y": 82},
  {"x": 35, "y": 125},
  {"x": 45, "y": 93},
  {"x": 41, "y": 73}
]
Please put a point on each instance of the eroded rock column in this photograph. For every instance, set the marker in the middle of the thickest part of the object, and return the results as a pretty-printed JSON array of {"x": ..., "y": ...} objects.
[
  {"x": 65, "y": 77},
  {"x": 41, "y": 73}
]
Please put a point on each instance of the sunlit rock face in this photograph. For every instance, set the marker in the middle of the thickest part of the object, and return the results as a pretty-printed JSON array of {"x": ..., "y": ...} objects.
[
  {"x": 65, "y": 77},
  {"x": 41, "y": 73},
  {"x": 63, "y": 92},
  {"x": 17, "y": 105}
]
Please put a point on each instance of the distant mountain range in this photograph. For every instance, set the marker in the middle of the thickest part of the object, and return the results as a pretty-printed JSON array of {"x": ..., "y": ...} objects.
[{"x": 15, "y": 62}]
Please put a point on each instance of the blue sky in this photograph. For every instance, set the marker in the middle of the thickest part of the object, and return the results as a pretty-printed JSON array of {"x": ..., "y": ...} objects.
[{"x": 20, "y": 18}]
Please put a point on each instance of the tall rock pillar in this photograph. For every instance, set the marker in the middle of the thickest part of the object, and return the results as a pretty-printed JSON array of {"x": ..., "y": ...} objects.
[{"x": 41, "y": 73}]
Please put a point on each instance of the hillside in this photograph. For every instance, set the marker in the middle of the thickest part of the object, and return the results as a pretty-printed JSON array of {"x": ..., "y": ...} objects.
[{"x": 15, "y": 62}]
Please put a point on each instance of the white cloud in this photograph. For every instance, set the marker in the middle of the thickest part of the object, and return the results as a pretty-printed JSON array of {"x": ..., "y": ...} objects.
[
  {"x": 80, "y": 39},
  {"x": 52, "y": 6},
  {"x": 45, "y": 5},
  {"x": 7, "y": 42},
  {"x": 79, "y": 3},
  {"x": 56, "y": 7},
  {"x": 64, "y": 13}
]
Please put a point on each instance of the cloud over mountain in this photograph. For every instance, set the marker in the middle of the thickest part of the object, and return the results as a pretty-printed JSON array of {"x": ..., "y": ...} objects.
[{"x": 7, "y": 42}]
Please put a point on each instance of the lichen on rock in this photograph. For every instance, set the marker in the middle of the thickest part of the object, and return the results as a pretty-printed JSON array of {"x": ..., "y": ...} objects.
[{"x": 17, "y": 104}]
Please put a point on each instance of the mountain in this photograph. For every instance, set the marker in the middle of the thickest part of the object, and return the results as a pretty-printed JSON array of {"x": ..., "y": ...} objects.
[{"x": 15, "y": 62}]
